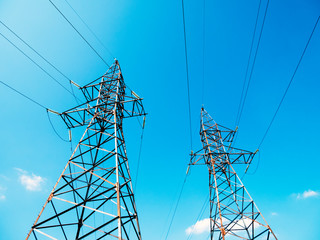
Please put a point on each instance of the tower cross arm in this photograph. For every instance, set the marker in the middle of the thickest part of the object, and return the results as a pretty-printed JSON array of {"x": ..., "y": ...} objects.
[
  {"x": 133, "y": 107},
  {"x": 78, "y": 116},
  {"x": 198, "y": 158},
  {"x": 240, "y": 156}
]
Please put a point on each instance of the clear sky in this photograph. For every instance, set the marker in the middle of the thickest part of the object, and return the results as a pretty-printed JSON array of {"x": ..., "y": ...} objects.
[{"x": 147, "y": 39}]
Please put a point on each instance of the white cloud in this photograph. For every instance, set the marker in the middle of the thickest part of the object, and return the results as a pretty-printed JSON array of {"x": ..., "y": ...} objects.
[
  {"x": 204, "y": 225},
  {"x": 2, "y": 191},
  {"x": 274, "y": 214},
  {"x": 307, "y": 194},
  {"x": 200, "y": 227},
  {"x": 30, "y": 182}
]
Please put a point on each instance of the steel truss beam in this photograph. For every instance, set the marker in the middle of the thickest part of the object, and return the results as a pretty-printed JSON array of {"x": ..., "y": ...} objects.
[
  {"x": 233, "y": 214},
  {"x": 93, "y": 197}
]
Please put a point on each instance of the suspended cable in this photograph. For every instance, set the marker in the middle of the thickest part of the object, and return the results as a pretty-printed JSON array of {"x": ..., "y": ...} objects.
[
  {"x": 93, "y": 49},
  {"x": 176, "y": 207},
  {"x": 203, "y": 47},
  {"x": 253, "y": 63},
  {"x": 25, "y": 96},
  {"x": 139, "y": 155},
  {"x": 55, "y": 129},
  {"x": 189, "y": 105},
  {"x": 35, "y": 51},
  {"x": 248, "y": 62},
  {"x": 37, "y": 103},
  {"x": 187, "y": 71},
  {"x": 286, "y": 91},
  {"x": 54, "y": 79},
  {"x": 205, "y": 204},
  {"x": 92, "y": 32}
]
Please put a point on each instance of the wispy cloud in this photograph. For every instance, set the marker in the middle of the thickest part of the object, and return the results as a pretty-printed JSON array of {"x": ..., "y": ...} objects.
[
  {"x": 31, "y": 182},
  {"x": 2, "y": 193},
  {"x": 307, "y": 194},
  {"x": 203, "y": 226},
  {"x": 200, "y": 227},
  {"x": 274, "y": 214}
]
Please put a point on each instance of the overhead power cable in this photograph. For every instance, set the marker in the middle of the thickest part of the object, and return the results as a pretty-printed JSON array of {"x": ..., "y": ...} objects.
[
  {"x": 187, "y": 70},
  {"x": 23, "y": 95},
  {"x": 205, "y": 204},
  {"x": 253, "y": 64},
  {"x": 42, "y": 57},
  {"x": 87, "y": 26},
  {"x": 35, "y": 51},
  {"x": 38, "y": 104},
  {"x": 248, "y": 62},
  {"x": 189, "y": 105},
  {"x": 176, "y": 206},
  {"x": 139, "y": 154},
  {"x": 290, "y": 82},
  {"x": 203, "y": 46},
  {"x": 46, "y": 72},
  {"x": 93, "y": 49}
]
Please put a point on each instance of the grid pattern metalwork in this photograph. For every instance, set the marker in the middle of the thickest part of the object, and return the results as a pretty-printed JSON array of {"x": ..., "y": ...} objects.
[
  {"x": 233, "y": 213},
  {"x": 93, "y": 197}
]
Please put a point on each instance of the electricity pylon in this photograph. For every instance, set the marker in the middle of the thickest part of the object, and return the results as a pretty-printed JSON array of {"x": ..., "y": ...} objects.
[
  {"x": 233, "y": 214},
  {"x": 93, "y": 197}
]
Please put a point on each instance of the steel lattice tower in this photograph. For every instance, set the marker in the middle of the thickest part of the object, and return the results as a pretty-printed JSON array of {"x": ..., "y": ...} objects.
[
  {"x": 93, "y": 197},
  {"x": 233, "y": 214}
]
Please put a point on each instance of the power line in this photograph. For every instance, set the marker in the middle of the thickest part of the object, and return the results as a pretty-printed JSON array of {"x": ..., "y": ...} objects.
[
  {"x": 38, "y": 104},
  {"x": 23, "y": 95},
  {"x": 41, "y": 56},
  {"x": 54, "y": 129},
  {"x": 187, "y": 71},
  {"x": 34, "y": 50},
  {"x": 253, "y": 64},
  {"x": 92, "y": 32},
  {"x": 294, "y": 73},
  {"x": 139, "y": 154},
  {"x": 248, "y": 62},
  {"x": 199, "y": 216},
  {"x": 203, "y": 46},
  {"x": 54, "y": 79},
  {"x": 176, "y": 207},
  {"x": 190, "y": 122},
  {"x": 93, "y": 49}
]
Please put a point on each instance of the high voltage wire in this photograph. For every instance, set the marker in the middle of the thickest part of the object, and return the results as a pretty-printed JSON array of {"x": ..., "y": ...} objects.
[
  {"x": 203, "y": 47},
  {"x": 286, "y": 91},
  {"x": 139, "y": 155},
  {"x": 92, "y": 32},
  {"x": 176, "y": 207},
  {"x": 189, "y": 105},
  {"x": 199, "y": 216},
  {"x": 253, "y": 64},
  {"x": 42, "y": 57},
  {"x": 93, "y": 49},
  {"x": 23, "y": 95},
  {"x": 46, "y": 72},
  {"x": 37, "y": 103},
  {"x": 187, "y": 71},
  {"x": 248, "y": 62},
  {"x": 14, "y": 33}
]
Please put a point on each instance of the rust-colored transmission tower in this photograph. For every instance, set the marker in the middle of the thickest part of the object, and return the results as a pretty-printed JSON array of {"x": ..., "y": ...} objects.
[
  {"x": 93, "y": 197},
  {"x": 233, "y": 214}
]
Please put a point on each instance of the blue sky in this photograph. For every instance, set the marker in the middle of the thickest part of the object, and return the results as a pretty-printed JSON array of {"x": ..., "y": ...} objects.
[{"x": 147, "y": 39}]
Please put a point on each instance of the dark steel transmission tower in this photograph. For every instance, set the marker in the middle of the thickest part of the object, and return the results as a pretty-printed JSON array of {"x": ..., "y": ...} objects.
[
  {"x": 233, "y": 214},
  {"x": 93, "y": 197}
]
